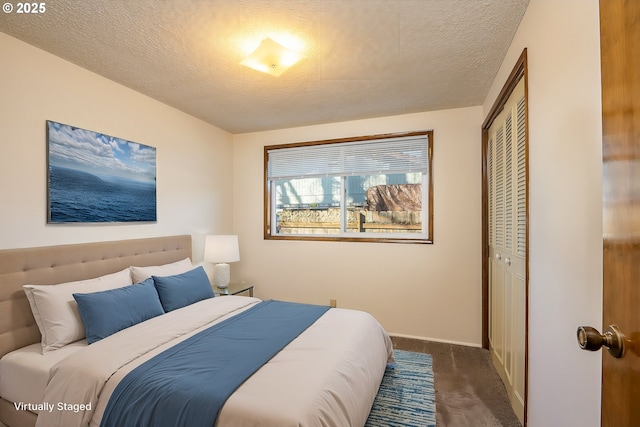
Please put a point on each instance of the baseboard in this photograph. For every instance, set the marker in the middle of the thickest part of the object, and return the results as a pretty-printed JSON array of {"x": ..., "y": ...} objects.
[{"x": 416, "y": 338}]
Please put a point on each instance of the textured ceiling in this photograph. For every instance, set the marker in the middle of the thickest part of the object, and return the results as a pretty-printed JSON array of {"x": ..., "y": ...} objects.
[{"x": 364, "y": 58}]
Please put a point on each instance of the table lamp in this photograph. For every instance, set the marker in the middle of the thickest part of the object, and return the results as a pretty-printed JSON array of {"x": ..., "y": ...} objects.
[{"x": 221, "y": 250}]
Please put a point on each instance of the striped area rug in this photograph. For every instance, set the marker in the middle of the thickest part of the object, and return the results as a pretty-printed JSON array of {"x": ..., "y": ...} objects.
[{"x": 407, "y": 395}]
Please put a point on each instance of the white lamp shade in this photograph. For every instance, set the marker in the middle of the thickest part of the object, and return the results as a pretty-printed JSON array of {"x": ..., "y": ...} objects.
[{"x": 221, "y": 248}]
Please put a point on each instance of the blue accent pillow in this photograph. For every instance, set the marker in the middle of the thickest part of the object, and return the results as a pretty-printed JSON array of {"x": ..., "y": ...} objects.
[
  {"x": 107, "y": 312},
  {"x": 183, "y": 289}
]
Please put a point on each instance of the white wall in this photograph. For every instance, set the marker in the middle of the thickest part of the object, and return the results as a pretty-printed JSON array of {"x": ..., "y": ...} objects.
[
  {"x": 193, "y": 158},
  {"x": 565, "y": 139},
  {"x": 429, "y": 291}
]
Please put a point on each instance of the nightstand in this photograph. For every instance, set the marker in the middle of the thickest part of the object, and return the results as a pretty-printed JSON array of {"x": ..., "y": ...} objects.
[{"x": 234, "y": 289}]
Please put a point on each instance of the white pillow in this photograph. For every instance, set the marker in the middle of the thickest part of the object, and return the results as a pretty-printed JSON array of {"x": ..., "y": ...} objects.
[
  {"x": 139, "y": 274},
  {"x": 56, "y": 312}
]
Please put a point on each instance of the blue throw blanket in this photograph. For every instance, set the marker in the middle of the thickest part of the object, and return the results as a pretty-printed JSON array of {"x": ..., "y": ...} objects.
[{"x": 187, "y": 384}]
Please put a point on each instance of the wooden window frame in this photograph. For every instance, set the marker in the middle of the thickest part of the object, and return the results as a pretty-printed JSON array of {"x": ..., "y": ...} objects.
[{"x": 425, "y": 238}]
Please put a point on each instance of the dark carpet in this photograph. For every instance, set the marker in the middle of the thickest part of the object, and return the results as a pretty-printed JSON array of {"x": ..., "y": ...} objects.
[{"x": 469, "y": 391}]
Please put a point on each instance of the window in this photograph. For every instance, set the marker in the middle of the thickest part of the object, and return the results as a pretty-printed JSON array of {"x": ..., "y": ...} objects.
[{"x": 372, "y": 188}]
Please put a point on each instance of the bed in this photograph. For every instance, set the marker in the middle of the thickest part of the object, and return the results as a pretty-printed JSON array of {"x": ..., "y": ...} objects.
[{"x": 328, "y": 374}]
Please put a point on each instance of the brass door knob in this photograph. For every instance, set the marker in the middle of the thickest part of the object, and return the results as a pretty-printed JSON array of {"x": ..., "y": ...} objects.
[{"x": 590, "y": 339}]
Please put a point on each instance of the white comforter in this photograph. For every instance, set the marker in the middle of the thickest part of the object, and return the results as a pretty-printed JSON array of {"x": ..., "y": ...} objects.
[{"x": 328, "y": 376}]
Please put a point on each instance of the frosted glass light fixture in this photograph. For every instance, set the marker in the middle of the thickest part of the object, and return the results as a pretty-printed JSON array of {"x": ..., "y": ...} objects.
[
  {"x": 221, "y": 250},
  {"x": 272, "y": 58}
]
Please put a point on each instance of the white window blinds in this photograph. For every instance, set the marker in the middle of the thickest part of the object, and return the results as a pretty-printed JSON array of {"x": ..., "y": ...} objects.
[{"x": 381, "y": 156}]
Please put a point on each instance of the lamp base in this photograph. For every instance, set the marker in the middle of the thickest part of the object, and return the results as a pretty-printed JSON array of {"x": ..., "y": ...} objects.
[{"x": 221, "y": 275}]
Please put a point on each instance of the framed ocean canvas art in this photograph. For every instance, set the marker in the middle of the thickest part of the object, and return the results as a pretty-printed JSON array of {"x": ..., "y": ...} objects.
[{"x": 97, "y": 178}]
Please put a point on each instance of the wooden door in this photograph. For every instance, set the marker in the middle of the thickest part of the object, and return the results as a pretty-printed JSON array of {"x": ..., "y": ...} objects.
[
  {"x": 507, "y": 241},
  {"x": 620, "y": 56}
]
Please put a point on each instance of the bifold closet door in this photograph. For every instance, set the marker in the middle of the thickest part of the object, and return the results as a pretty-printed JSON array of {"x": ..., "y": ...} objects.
[{"x": 507, "y": 162}]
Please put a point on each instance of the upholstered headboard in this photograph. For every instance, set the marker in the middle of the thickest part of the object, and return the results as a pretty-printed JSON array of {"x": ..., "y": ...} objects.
[{"x": 57, "y": 264}]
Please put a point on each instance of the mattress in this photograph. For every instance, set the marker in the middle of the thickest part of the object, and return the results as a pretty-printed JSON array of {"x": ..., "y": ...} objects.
[{"x": 24, "y": 373}]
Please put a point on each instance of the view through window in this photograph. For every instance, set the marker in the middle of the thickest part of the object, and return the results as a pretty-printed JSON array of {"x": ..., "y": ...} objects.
[{"x": 375, "y": 188}]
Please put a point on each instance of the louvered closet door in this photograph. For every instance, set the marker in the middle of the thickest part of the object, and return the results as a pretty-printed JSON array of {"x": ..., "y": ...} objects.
[{"x": 506, "y": 155}]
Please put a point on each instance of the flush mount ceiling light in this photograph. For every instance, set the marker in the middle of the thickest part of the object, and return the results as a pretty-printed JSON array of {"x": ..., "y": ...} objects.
[{"x": 271, "y": 58}]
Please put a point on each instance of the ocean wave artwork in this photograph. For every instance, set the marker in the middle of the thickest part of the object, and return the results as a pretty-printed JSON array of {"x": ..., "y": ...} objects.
[{"x": 97, "y": 178}]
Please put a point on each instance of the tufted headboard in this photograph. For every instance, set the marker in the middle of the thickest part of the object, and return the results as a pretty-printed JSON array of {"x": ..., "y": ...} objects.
[{"x": 64, "y": 263}]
